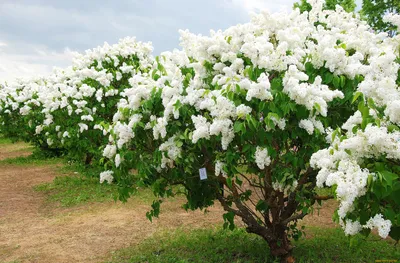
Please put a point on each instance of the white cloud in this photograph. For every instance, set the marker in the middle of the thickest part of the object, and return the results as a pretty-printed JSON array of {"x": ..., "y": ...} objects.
[{"x": 39, "y": 62}]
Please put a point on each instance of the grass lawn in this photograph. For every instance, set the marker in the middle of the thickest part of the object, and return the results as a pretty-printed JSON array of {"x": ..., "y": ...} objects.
[{"x": 217, "y": 245}]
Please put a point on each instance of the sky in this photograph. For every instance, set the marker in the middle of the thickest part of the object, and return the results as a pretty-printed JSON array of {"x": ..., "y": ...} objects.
[{"x": 36, "y": 35}]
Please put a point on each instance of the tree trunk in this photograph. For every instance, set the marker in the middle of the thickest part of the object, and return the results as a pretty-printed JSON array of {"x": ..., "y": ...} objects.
[
  {"x": 88, "y": 159},
  {"x": 279, "y": 244},
  {"x": 277, "y": 239}
]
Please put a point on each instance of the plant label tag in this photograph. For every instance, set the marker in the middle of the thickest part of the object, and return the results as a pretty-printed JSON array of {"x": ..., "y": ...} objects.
[{"x": 203, "y": 173}]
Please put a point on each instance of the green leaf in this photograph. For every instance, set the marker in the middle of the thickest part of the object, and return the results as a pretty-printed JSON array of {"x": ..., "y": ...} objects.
[
  {"x": 317, "y": 107},
  {"x": 389, "y": 177},
  {"x": 392, "y": 128},
  {"x": 363, "y": 109},
  {"x": 229, "y": 220},
  {"x": 276, "y": 84},
  {"x": 353, "y": 241},
  {"x": 309, "y": 68},
  {"x": 328, "y": 77},
  {"x": 239, "y": 126},
  {"x": 261, "y": 206},
  {"x": 336, "y": 82},
  {"x": 356, "y": 96},
  {"x": 246, "y": 147},
  {"x": 371, "y": 103},
  {"x": 342, "y": 81},
  {"x": 229, "y": 182},
  {"x": 334, "y": 134},
  {"x": 238, "y": 181},
  {"x": 273, "y": 115}
]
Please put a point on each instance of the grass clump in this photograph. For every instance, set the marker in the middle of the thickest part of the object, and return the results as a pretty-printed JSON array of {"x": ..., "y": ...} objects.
[
  {"x": 32, "y": 159},
  {"x": 74, "y": 190},
  {"x": 77, "y": 185},
  {"x": 4, "y": 140}
]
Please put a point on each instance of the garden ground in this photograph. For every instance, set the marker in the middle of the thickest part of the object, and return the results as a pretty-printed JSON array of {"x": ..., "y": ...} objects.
[{"x": 73, "y": 219}]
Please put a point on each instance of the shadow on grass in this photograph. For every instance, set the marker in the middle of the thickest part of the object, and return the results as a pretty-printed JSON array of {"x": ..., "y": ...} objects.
[{"x": 216, "y": 245}]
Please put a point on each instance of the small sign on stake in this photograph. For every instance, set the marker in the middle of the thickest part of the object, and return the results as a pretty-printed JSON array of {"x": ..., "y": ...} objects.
[{"x": 203, "y": 173}]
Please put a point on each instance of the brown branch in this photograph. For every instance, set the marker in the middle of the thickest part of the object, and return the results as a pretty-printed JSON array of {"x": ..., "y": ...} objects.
[
  {"x": 293, "y": 218},
  {"x": 242, "y": 205},
  {"x": 323, "y": 197},
  {"x": 254, "y": 185},
  {"x": 291, "y": 200},
  {"x": 247, "y": 213}
]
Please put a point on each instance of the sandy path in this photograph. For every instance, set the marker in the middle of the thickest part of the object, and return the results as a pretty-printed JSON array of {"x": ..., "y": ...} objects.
[{"x": 31, "y": 230}]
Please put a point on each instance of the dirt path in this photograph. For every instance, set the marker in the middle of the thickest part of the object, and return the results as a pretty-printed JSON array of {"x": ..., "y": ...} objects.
[{"x": 29, "y": 233}]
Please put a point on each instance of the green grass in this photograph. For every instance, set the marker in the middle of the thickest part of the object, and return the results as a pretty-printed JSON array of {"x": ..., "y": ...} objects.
[
  {"x": 216, "y": 245},
  {"x": 4, "y": 140}
]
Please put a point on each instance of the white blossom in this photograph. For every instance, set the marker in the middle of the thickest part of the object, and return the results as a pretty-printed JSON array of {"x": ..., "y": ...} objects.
[
  {"x": 262, "y": 158},
  {"x": 106, "y": 176}
]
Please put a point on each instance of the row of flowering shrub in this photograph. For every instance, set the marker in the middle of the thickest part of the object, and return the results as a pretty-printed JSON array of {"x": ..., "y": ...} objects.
[{"x": 266, "y": 111}]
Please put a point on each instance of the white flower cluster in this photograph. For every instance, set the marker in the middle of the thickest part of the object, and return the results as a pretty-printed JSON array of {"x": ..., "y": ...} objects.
[
  {"x": 307, "y": 94},
  {"x": 353, "y": 227},
  {"x": 310, "y": 124},
  {"x": 381, "y": 224},
  {"x": 172, "y": 150},
  {"x": 262, "y": 158},
  {"x": 219, "y": 168},
  {"x": 106, "y": 176},
  {"x": 392, "y": 18},
  {"x": 342, "y": 169}
]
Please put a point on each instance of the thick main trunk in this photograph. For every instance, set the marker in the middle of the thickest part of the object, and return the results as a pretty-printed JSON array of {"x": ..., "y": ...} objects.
[
  {"x": 273, "y": 230},
  {"x": 277, "y": 240},
  {"x": 280, "y": 244}
]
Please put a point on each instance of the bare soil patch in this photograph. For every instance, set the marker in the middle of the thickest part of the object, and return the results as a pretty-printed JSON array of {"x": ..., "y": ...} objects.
[
  {"x": 321, "y": 215},
  {"x": 31, "y": 230}
]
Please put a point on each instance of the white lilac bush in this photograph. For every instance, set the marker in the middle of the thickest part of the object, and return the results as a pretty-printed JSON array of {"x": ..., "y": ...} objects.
[
  {"x": 64, "y": 110},
  {"x": 21, "y": 111},
  {"x": 256, "y": 117}
]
